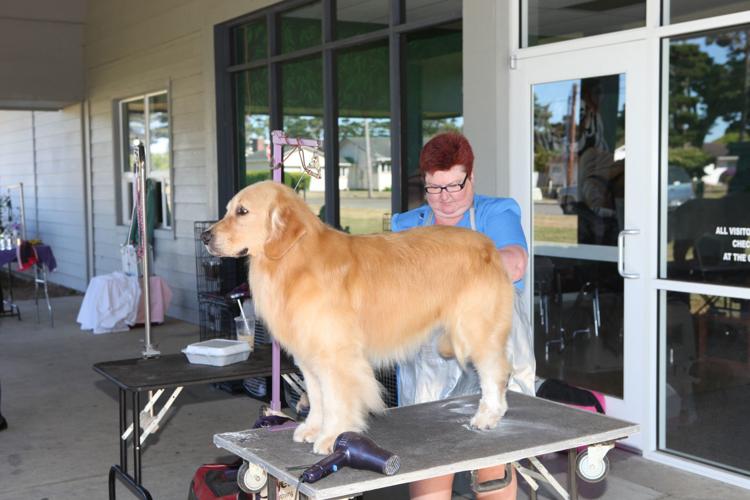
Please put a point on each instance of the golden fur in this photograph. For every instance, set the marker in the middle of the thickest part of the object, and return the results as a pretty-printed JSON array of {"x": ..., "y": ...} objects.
[{"x": 341, "y": 304}]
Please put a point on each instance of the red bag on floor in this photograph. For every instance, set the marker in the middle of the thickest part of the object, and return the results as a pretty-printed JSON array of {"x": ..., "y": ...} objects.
[{"x": 217, "y": 482}]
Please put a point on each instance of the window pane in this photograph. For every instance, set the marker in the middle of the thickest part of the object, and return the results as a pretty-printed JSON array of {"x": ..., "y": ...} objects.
[
  {"x": 556, "y": 20},
  {"x": 688, "y": 10},
  {"x": 355, "y": 17},
  {"x": 301, "y": 28},
  {"x": 364, "y": 139},
  {"x": 578, "y": 322},
  {"x": 158, "y": 157},
  {"x": 705, "y": 382},
  {"x": 302, "y": 111},
  {"x": 250, "y": 42},
  {"x": 158, "y": 132},
  {"x": 252, "y": 119},
  {"x": 434, "y": 95},
  {"x": 579, "y": 161},
  {"x": 134, "y": 125},
  {"x": 707, "y": 183},
  {"x": 417, "y": 10},
  {"x": 578, "y": 193}
]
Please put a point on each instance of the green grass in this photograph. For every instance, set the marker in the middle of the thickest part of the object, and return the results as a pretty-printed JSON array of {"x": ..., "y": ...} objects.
[{"x": 555, "y": 234}]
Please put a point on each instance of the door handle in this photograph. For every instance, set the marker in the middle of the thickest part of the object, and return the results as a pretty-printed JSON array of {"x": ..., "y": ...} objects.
[{"x": 621, "y": 253}]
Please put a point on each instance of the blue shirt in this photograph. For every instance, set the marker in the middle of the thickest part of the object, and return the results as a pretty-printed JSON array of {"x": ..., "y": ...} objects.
[{"x": 498, "y": 218}]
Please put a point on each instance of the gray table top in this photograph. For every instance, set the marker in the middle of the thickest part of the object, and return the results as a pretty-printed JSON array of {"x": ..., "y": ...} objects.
[
  {"x": 174, "y": 370},
  {"x": 434, "y": 439}
]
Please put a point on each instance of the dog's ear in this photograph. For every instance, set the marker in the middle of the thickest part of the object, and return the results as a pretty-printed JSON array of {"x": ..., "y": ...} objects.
[{"x": 284, "y": 232}]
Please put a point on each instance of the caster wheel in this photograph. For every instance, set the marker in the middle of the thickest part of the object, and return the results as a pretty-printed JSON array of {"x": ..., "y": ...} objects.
[
  {"x": 251, "y": 478},
  {"x": 591, "y": 470}
]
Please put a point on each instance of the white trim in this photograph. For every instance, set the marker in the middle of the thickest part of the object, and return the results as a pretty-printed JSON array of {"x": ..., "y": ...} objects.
[
  {"x": 589, "y": 42},
  {"x": 660, "y": 405},
  {"x": 733, "y": 292},
  {"x": 688, "y": 465},
  {"x": 653, "y": 11},
  {"x": 165, "y": 178},
  {"x": 709, "y": 23},
  {"x": 663, "y": 153},
  {"x": 651, "y": 29}
]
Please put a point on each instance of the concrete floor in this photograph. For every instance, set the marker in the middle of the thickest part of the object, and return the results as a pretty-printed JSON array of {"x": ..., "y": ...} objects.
[{"x": 62, "y": 435}]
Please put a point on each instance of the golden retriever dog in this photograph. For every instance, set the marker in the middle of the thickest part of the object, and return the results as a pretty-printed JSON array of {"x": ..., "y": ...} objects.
[{"x": 341, "y": 304}]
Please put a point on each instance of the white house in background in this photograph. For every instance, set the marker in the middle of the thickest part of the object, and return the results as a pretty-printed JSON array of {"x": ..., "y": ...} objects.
[{"x": 353, "y": 151}]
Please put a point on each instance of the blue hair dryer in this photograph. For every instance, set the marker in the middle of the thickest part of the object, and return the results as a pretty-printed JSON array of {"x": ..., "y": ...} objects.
[{"x": 353, "y": 450}]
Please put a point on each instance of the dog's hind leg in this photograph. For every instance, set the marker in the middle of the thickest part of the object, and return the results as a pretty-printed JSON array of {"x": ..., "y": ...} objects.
[
  {"x": 494, "y": 370},
  {"x": 309, "y": 430},
  {"x": 350, "y": 391},
  {"x": 482, "y": 338}
]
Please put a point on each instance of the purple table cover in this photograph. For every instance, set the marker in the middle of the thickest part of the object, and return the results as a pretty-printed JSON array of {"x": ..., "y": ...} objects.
[{"x": 43, "y": 252}]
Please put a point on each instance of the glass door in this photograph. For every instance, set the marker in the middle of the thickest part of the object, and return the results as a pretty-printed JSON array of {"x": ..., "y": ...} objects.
[
  {"x": 585, "y": 181},
  {"x": 704, "y": 259}
]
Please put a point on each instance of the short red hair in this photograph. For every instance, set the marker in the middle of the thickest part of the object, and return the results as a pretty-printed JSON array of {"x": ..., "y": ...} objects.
[{"x": 445, "y": 151}]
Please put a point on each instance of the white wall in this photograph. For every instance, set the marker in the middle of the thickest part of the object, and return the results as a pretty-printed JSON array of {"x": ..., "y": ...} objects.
[
  {"x": 128, "y": 53},
  {"x": 43, "y": 151},
  {"x": 486, "y": 53}
]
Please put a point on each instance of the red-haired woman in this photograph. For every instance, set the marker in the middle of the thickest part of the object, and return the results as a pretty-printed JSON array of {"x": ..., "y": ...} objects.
[{"x": 447, "y": 164}]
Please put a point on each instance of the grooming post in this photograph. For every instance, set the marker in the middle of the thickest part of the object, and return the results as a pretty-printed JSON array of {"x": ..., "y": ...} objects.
[
  {"x": 279, "y": 139},
  {"x": 148, "y": 351}
]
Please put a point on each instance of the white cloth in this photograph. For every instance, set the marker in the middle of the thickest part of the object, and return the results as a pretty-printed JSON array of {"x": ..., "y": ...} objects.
[
  {"x": 110, "y": 303},
  {"x": 430, "y": 377}
]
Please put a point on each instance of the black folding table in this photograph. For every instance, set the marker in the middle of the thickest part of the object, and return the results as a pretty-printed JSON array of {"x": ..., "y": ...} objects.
[{"x": 134, "y": 376}]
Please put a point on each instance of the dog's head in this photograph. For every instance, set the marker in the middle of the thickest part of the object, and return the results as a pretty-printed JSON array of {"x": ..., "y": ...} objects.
[{"x": 266, "y": 219}]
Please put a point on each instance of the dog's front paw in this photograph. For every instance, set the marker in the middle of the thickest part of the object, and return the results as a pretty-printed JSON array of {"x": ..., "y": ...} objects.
[
  {"x": 324, "y": 445},
  {"x": 486, "y": 417},
  {"x": 306, "y": 433}
]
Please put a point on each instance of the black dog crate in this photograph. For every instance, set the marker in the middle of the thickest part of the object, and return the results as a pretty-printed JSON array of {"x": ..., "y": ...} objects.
[
  {"x": 387, "y": 378},
  {"x": 214, "y": 274},
  {"x": 216, "y": 277},
  {"x": 216, "y": 317}
]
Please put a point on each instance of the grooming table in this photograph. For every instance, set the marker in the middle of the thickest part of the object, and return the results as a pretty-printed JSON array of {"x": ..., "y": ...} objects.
[
  {"x": 134, "y": 376},
  {"x": 434, "y": 439}
]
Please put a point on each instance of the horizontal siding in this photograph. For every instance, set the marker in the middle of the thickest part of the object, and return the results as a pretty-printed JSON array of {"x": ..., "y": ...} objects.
[
  {"x": 126, "y": 53},
  {"x": 55, "y": 207}
]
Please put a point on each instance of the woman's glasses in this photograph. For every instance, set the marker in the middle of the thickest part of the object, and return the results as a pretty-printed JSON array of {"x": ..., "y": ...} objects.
[{"x": 450, "y": 188}]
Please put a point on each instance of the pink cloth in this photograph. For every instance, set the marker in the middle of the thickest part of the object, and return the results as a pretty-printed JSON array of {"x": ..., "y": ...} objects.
[{"x": 161, "y": 296}]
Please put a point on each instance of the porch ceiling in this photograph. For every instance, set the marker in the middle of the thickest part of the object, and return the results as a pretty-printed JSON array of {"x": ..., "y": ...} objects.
[{"x": 41, "y": 53}]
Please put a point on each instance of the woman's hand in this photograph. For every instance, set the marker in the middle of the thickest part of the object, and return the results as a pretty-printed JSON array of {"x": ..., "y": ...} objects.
[{"x": 515, "y": 259}]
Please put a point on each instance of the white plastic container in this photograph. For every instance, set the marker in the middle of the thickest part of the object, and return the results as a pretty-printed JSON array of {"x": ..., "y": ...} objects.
[{"x": 217, "y": 352}]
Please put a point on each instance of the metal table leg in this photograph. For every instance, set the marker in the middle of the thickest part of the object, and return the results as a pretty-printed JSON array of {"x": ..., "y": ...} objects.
[
  {"x": 572, "y": 485},
  {"x": 120, "y": 471},
  {"x": 123, "y": 423},
  {"x": 271, "y": 487},
  {"x": 137, "y": 437},
  {"x": 40, "y": 278}
]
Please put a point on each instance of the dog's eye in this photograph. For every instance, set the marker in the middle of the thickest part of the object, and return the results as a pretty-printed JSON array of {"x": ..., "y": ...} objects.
[{"x": 241, "y": 210}]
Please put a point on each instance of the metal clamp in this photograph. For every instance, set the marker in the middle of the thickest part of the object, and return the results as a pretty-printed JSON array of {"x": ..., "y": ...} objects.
[
  {"x": 621, "y": 253},
  {"x": 493, "y": 484}
]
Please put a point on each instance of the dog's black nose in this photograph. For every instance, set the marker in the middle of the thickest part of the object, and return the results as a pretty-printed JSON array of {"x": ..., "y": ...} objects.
[{"x": 206, "y": 237}]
